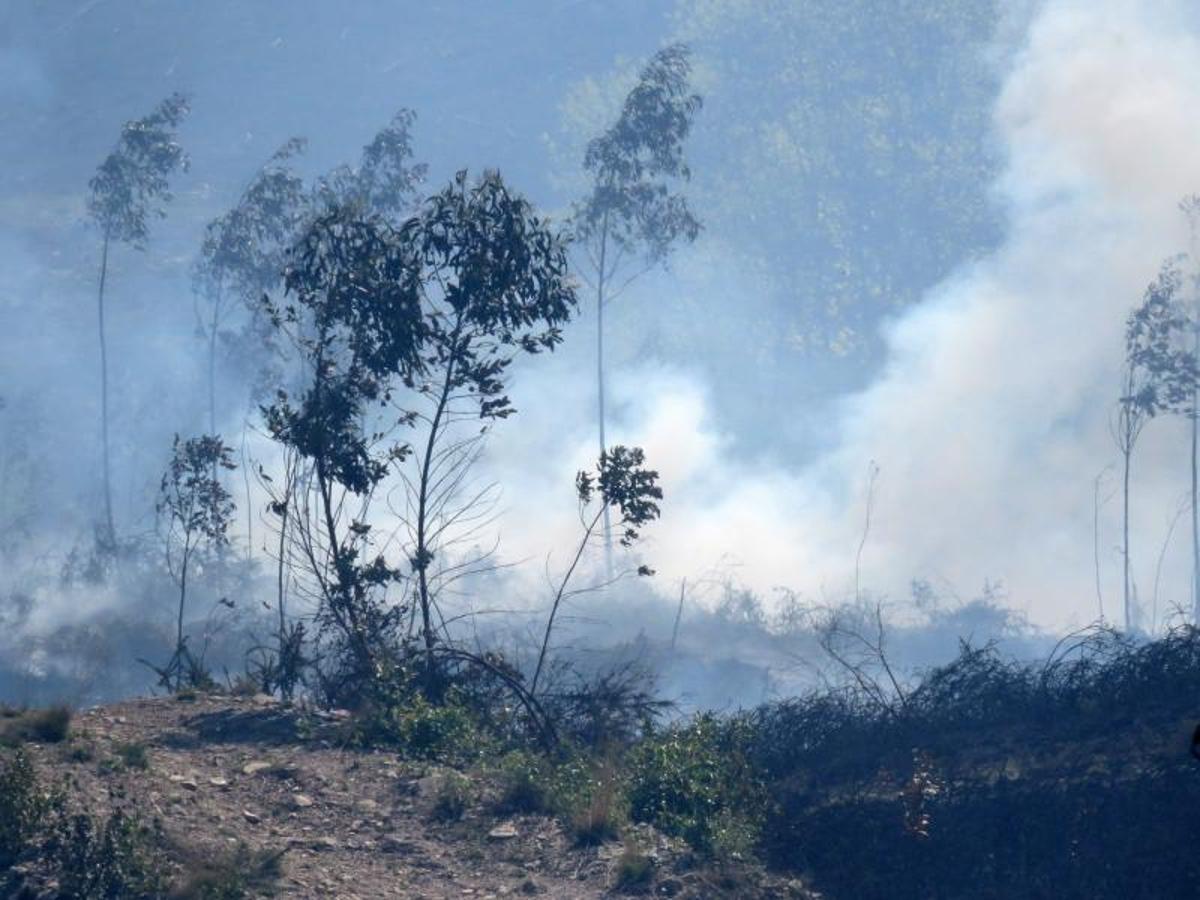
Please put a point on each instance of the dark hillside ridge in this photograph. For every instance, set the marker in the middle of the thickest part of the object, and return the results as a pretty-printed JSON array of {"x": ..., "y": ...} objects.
[{"x": 1071, "y": 778}]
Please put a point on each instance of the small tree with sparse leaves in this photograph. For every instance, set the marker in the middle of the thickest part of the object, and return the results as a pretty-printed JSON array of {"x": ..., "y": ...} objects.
[
  {"x": 493, "y": 280},
  {"x": 621, "y": 483},
  {"x": 1157, "y": 377},
  {"x": 194, "y": 514}
]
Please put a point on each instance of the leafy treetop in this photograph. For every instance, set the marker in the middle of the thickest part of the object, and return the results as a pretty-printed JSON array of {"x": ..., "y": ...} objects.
[
  {"x": 633, "y": 162},
  {"x": 132, "y": 183}
]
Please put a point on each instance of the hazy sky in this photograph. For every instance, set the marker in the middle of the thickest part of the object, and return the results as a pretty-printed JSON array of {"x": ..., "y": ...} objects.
[{"x": 982, "y": 381}]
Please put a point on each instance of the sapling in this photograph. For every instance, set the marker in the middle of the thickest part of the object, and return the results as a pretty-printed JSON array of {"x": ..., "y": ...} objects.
[
  {"x": 621, "y": 483},
  {"x": 194, "y": 515}
]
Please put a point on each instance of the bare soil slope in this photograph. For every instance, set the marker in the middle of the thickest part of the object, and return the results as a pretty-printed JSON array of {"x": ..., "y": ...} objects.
[{"x": 220, "y": 771}]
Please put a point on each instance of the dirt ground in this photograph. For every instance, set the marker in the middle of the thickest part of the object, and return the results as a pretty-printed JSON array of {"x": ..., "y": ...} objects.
[{"x": 232, "y": 771}]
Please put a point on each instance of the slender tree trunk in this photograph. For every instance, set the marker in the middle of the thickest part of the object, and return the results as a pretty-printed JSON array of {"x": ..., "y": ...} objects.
[
  {"x": 562, "y": 587},
  {"x": 109, "y": 526},
  {"x": 1195, "y": 512},
  {"x": 249, "y": 507},
  {"x": 183, "y": 573},
  {"x": 608, "y": 550},
  {"x": 212, "y": 369},
  {"x": 281, "y": 580},
  {"x": 422, "y": 550},
  {"x": 1125, "y": 535},
  {"x": 678, "y": 614},
  {"x": 1096, "y": 541}
]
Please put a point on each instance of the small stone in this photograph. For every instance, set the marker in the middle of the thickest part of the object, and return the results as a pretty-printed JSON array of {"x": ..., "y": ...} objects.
[
  {"x": 302, "y": 801},
  {"x": 324, "y": 843},
  {"x": 367, "y": 805},
  {"x": 503, "y": 832},
  {"x": 189, "y": 785},
  {"x": 218, "y": 781},
  {"x": 252, "y": 817},
  {"x": 258, "y": 765}
]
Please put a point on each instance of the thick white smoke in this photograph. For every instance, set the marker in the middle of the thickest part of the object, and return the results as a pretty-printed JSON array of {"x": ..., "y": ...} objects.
[{"x": 990, "y": 419}]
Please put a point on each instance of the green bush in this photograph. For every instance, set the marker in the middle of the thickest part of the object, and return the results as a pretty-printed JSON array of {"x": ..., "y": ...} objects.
[
  {"x": 88, "y": 858},
  {"x": 25, "y": 808},
  {"x": 133, "y": 756},
  {"x": 416, "y": 728},
  {"x": 694, "y": 781},
  {"x": 452, "y": 798},
  {"x": 114, "y": 858},
  {"x": 525, "y": 784}
]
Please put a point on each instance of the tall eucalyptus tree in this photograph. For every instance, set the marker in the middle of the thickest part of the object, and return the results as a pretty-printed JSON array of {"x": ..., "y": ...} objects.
[
  {"x": 634, "y": 215},
  {"x": 244, "y": 252},
  {"x": 1158, "y": 377},
  {"x": 130, "y": 187}
]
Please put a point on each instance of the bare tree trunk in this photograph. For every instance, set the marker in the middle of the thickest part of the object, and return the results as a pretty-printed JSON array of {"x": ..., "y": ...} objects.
[
  {"x": 678, "y": 614},
  {"x": 1096, "y": 540},
  {"x": 562, "y": 587},
  {"x": 212, "y": 369},
  {"x": 289, "y": 481},
  {"x": 423, "y": 555},
  {"x": 1125, "y": 534},
  {"x": 249, "y": 506},
  {"x": 183, "y": 573},
  {"x": 608, "y": 550},
  {"x": 1195, "y": 513},
  {"x": 110, "y": 528}
]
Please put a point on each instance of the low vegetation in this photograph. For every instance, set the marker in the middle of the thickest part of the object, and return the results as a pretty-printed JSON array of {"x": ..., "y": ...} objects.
[
  {"x": 49, "y": 844},
  {"x": 46, "y": 726}
]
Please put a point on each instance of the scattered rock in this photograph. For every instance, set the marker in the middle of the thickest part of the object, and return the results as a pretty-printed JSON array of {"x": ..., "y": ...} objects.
[
  {"x": 252, "y": 817},
  {"x": 256, "y": 766},
  {"x": 504, "y": 832},
  {"x": 324, "y": 843},
  {"x": 218, "y": 781},
  {"x": 302, "y": 801}
]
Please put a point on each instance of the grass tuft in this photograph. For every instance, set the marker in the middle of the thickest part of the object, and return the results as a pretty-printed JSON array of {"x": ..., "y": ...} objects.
[{"x": 43, "y": 726}]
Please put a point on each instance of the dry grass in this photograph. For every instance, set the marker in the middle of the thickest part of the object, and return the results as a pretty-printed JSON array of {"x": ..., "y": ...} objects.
[
  {"x": 600, "y": 818},
  {"x": 42, "y": 726}
]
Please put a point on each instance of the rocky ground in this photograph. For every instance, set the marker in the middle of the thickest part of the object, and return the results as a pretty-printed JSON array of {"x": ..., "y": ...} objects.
[{"x": 220, "y": 771}]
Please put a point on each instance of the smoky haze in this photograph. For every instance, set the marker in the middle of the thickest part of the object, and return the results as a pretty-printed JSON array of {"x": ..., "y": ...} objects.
[{"x": 923, "y": 230}]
